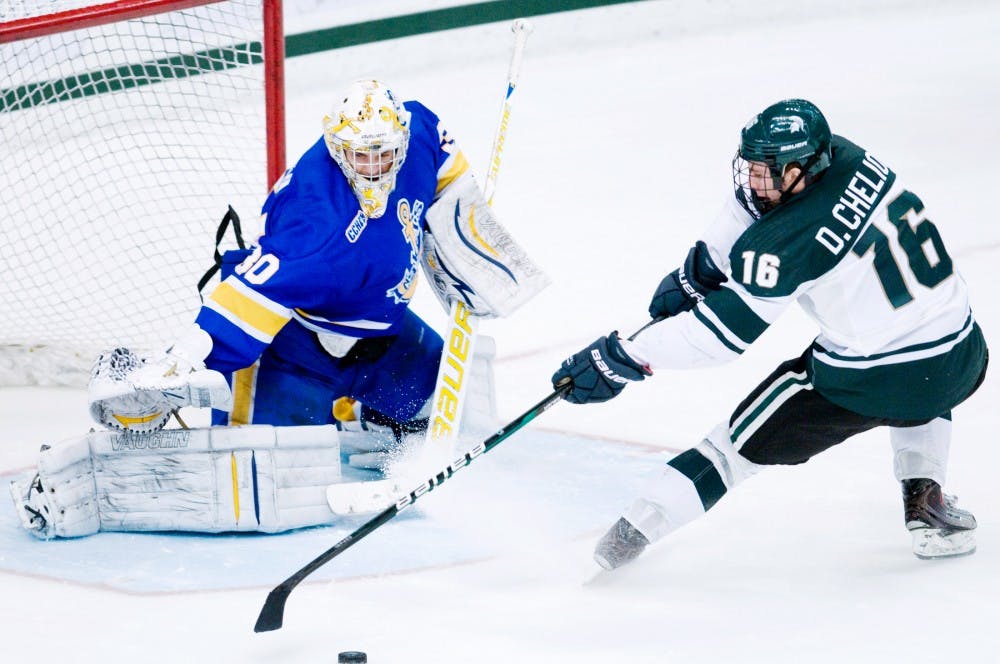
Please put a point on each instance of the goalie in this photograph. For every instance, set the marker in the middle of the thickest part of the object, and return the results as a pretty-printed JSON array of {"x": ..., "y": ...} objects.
[{"x": 311, "y": 328}]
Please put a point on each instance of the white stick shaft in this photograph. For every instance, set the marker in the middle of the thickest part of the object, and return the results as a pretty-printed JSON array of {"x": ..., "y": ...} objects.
[{"x": 521, "y": 28}]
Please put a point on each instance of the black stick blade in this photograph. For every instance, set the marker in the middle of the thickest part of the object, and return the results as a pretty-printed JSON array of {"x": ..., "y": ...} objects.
[{"x": 272, "y": 615}]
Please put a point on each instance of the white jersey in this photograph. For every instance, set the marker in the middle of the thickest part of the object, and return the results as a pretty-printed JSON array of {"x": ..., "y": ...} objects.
[{"x": 858, "y": 254}]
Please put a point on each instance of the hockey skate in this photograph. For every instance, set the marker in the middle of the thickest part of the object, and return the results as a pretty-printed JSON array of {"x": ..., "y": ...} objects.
[
  {"x": 622, "y": 544},
  {"x": 938, "y": 527}
]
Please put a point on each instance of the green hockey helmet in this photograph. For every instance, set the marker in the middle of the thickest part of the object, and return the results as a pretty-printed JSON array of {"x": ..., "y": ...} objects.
[{"x": 792, "y": 131}]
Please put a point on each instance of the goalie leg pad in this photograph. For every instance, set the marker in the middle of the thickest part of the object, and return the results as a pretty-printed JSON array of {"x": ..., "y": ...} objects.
[
  {"x": 479, "y": 416},
  {"x": 254, "y": 478}
]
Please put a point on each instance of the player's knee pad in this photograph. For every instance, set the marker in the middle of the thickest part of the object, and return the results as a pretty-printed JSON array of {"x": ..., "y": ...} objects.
[{"x": 732, "y": 465}]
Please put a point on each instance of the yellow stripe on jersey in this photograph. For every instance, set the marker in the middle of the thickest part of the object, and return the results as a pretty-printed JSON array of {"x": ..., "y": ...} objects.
[
  {"x": 255, "y": 314},
  {"x": 455, "y": 166},
  {"x": 244, "y": 382}
]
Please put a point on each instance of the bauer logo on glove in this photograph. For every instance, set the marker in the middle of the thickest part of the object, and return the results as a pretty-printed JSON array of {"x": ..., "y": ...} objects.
[
  {"x": 603, "y": 367},
  {"x": 599, "y": 372}
]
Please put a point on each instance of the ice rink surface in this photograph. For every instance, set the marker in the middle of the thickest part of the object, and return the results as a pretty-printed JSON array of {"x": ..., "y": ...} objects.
[{"x": 618, "y": 155}]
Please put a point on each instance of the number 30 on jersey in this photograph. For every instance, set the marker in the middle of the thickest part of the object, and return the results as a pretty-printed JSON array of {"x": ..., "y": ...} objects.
[{"x": 257, "y": 267}]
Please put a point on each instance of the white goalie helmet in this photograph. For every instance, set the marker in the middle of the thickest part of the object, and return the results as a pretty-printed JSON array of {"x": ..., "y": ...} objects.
[{"x": 367, "y": 133}]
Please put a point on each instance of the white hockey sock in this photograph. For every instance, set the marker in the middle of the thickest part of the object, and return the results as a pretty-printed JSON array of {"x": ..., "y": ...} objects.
[
  {"x": 690, "y": 485},
  {"x": 921, "y": 451}
]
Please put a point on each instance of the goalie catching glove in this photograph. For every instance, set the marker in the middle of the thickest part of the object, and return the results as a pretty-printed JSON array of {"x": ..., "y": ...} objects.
[{"x": 132, "y": 393}]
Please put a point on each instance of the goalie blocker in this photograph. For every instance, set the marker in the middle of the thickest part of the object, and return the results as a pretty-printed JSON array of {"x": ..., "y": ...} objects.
[
  {"x": 468, "y": 256},
  {"x": 252, "y": 478}
]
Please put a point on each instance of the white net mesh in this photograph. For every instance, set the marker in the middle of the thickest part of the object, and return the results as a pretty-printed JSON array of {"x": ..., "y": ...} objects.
[
  {"x": 14, "y": 9},
  {"x": 123, "y": 145}
]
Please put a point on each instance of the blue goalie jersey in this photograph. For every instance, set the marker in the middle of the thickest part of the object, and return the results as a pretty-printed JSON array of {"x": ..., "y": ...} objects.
[{"x": 322, "y": 261}]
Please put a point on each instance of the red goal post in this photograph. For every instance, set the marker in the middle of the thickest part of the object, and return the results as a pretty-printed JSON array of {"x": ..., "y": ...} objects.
[{"x": 129, "y": 127}]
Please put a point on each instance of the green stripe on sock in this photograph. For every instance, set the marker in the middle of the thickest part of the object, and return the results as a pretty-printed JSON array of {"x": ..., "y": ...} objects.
[{"x": 703, "y": 475}]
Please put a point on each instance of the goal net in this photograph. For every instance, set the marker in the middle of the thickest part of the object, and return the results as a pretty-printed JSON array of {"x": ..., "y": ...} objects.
[{"x": 127, "y": 129}]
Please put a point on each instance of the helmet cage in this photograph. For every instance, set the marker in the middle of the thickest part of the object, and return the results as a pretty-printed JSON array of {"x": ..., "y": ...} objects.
[
  {"x": 745, "y": 194},
  {"x": 368, "y": 122}
]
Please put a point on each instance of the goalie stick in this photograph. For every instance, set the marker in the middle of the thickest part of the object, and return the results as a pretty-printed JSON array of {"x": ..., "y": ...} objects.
[
  {"x": 451, "y": 388},
  {"x": 272, "y": 614}
]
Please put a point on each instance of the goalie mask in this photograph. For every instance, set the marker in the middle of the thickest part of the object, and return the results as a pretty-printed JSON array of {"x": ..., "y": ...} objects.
[
  {"x": 789, "y": 133},
  {"x": 367, "y": 133}
]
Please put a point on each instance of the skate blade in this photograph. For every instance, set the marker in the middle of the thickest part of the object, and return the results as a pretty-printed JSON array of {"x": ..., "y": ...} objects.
[
  {"x": 603, "y": 562},
  {"x": 933, "y": 543},
  {"x": 598, "y": 578}
]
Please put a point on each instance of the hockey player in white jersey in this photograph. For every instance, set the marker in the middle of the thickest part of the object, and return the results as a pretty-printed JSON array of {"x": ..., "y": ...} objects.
[{"x": 816, "y": 220}]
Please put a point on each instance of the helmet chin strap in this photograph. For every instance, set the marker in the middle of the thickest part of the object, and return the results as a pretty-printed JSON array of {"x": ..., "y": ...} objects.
[
  {"x": 762, "y": 205},
  {"x": 787, "y": 193}
]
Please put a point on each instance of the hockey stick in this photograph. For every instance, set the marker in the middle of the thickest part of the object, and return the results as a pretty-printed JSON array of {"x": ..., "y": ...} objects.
[
  {"x": 521, "y": 28},
  {"x": 272, "y": 613}
]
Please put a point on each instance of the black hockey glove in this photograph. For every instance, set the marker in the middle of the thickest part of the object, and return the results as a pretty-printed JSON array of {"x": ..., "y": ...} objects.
[
  {"x": 599, "y": 372},
  {"x": 685, "y": 287}
]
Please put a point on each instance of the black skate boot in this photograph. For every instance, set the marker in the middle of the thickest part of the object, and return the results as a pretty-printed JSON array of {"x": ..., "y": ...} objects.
[
  {"x": 620, "y": 545},
  {"x": 939, "y": 528}
]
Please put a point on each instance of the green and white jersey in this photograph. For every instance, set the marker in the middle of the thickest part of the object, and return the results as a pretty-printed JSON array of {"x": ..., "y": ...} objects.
[{"x": 858, "y": 253}]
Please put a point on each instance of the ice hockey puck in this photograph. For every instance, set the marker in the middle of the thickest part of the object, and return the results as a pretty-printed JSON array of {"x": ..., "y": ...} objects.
[{"x": 351, "y": 657}]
